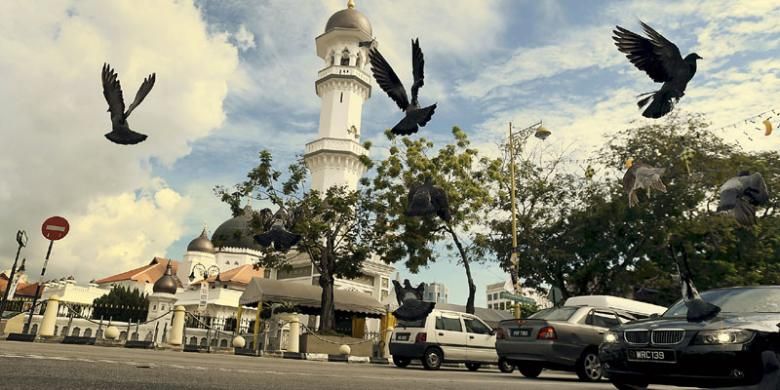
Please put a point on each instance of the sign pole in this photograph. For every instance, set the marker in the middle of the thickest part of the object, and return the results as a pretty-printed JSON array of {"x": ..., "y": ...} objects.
[
  {"x": 38, "y": 288},
  {"x": 21, "y": 239}
]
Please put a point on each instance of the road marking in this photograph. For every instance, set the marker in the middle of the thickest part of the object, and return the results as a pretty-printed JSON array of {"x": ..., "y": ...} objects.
[
  {"x": 107, "y": 361},
  {"x": 178, "y": 366}
]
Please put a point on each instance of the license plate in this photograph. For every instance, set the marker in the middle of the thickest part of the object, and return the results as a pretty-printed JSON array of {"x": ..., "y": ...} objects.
[
  {"x": 521, "y": 332},
  {"x": 651, "y": 355},
  {"x": 402, "y": 337}
]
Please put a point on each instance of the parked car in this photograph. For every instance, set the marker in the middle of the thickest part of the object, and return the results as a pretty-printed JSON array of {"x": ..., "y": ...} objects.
[
  {"x": 566, "y": 338},
  {"x": 444, "y": 336},
  {"x": 725, "y": 351}
]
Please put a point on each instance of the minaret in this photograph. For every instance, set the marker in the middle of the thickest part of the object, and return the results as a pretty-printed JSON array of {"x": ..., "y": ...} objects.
[{"x": 343, "y": 85}]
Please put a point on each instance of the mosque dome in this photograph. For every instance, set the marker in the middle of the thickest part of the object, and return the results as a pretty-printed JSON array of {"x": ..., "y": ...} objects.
[
  {"x": 349, "y": 18},
  {"x": 167, "y": 283},
  {"x": 201, "y": 244},
  {"x": 236, "y": 232}
]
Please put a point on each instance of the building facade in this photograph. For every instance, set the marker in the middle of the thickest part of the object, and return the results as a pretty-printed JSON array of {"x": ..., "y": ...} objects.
[
  {"x": 494, "y": 300},
  {"x": 436, "y": 292}
]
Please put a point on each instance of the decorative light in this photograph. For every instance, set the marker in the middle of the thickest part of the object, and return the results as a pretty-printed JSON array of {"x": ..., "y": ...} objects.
[{"x": 542, "y": 133}]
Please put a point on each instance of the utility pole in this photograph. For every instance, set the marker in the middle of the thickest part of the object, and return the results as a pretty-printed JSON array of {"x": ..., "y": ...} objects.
[{"x": 21, "y": 239}]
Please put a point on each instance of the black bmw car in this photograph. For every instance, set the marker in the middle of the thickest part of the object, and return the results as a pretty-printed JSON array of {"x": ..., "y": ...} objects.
[{"x": 723, "y": 352}]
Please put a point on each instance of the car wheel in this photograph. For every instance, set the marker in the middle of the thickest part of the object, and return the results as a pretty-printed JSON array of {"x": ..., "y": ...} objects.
[
  {"x": 530, "y": 371},
  {"x": 432, "y": 359},
  {"x": 589, "y": 367},
  {"x": 401, "y": 362},
  {"x": 473, "y": 366},
  {"x": 505, "y": 366}
]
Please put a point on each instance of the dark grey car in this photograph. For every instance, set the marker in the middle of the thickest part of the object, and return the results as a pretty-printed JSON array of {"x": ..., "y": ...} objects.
[{"x": 565, "y": 338}]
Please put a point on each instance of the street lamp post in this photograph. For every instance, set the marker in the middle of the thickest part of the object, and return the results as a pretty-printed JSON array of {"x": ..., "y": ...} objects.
[
  {"x": 21, "y": 239},
  {"x": 542, "y": 133}
]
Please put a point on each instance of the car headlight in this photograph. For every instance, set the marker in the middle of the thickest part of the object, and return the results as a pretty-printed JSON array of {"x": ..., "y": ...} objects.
[
  {"x": 723, "y": 336},
  {"x": 611, "y": 337}
]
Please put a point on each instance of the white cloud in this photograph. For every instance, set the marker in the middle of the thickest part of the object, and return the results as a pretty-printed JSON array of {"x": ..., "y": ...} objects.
[{"x": 55, "y": 158}]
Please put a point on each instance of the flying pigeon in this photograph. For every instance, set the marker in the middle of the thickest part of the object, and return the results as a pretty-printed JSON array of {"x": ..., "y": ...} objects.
[
  {"x": 412, "y": 307},
  {"x": 278, "y": 235},
  {"x": 389, "y": 82},
  {"x": 661, "y": 60},
  {"x": 741, "y": 194},
  {"x": 698, "y": 309},
  {"x": 112, "y": 91},
  {"x": 427, "y": 199},
  {"x": 640, "y": 175}
]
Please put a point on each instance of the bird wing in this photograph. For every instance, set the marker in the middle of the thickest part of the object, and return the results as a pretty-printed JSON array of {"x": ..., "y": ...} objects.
[
  {"x": 399, "y": 294},
  {"x": 143, "y": 90},
  {"x": 653, "y": 57},
  {"x": 112, "y": 91},
  {"x": 285, "y": 240},
  {"x": 264, "y": 239},
  {"x": 418, "y": 63},
  {"x": 667, "y": 52},
  {"x": 441, "y": 203},
  {"x": 649, "y": 177},
  {"x": 387, "y": 79},
  {"x": 755, "y": 188},
  {"x": 629, "y": 178}
]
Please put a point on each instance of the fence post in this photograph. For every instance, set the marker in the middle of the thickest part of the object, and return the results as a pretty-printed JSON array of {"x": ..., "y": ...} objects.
[
  {"x": 177, "y": 328},
  {"x": 293, "y": 339},
  {"x": 50, "y": 317}
]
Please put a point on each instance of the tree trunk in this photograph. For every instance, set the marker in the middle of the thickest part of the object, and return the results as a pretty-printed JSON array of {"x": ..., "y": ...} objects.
[
  {"x": 328, "y": 307},
  {"x": 465, "y": 259}
]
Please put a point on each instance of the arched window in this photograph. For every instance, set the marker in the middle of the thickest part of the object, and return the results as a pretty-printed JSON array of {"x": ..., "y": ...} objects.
[
  {"x": 123, "y": 336},
  {"x": 64, "y": 331},
  {"x": 214, "y": 342},
  {"x": 193, "y": 341},
  {"x": 88, "y": 332},
  {"x": 203, "y": 342},
  {"x": 99, "y": 334},
  {"x": 76, "y": 332},
  {"x": 223, "y": 343},
  {"x": 149, "y": 336},
  {"x": 345, "y": 58},
  {"x": 134, "y": 336},
  {"x": 34, "y": 329}
]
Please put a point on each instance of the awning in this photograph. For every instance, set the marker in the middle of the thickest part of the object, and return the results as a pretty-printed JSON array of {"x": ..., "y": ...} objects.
[{"x": 307, "y": 297}]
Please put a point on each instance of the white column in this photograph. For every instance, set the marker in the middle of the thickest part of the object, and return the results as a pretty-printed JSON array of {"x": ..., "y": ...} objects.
[
  {"x": 50, "y": 317},
  {"x": 177, "y": 329}
]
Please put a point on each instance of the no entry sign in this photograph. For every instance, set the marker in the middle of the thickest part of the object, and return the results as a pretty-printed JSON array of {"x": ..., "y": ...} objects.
[{"x": 55, "y": 228}]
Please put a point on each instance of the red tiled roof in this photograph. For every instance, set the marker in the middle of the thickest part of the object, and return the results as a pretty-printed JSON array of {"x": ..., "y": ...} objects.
[
  {"x": 146, "y": 274},
  {"x": 28, "y": 290},
  {"x": 239, "y": 275}
]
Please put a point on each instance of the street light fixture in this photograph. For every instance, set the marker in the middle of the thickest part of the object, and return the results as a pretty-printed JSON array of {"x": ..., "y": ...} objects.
[
  {"x": 204, "y": 272},
  {"x": 21, "y": 239},
  {"x": 542, "y": 133}
]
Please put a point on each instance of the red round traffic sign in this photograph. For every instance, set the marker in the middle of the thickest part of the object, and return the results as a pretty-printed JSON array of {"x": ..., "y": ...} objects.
[{"x": 55, "y": 228}]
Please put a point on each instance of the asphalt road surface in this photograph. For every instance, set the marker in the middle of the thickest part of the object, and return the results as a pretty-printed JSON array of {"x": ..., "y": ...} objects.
[{"x": 57, "y": 366}]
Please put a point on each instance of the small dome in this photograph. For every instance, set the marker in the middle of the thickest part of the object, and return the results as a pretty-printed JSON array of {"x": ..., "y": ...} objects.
[
  {"x": 349, "y": 18},
  {"x": 167, "y": 283},
  {"x": 201, "y": 244},
  {"x": 236, "y": 232}
]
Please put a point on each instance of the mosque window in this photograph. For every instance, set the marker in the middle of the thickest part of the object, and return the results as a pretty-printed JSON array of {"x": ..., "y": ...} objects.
[
  {"x": 358, "y": 61},
  {"x": 154, "y": 307},
  {"x": 341, "y": 98},
  {"x": 345, "y": 58}
]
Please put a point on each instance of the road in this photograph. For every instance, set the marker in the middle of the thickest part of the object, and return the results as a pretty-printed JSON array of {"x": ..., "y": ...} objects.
[{"x": 57, "y": 366}]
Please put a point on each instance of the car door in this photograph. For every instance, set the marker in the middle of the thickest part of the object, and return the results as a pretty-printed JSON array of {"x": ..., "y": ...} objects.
[
  {"x": 481, "y": 341},
  {"x": 450, "y": 336}
]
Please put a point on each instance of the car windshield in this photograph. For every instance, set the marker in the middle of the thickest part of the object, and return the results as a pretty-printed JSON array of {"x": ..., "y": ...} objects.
[
  {"x": 559, "y": 314},
  {"x": 737, "y": 300}
]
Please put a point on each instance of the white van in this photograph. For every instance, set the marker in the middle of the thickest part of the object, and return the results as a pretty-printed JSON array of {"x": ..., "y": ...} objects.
[{"x": 444, "y": 336}]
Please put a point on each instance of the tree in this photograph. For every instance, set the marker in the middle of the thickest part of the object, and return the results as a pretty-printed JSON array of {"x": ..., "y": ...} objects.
[
  {"x": 121, "y": 304},
  {"x": 335, "y": 225},
  {"x": 459, "y": 170}
]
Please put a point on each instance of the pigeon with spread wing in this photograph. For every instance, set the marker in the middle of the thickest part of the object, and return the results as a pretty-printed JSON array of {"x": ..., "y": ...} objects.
[
  {"x": 391, "y": 84},
  {"x": 641, "y": 176},
  {"x": 112, "y": 91},
  {"x": 426, "y": 199},
  {"x": 698, "y": 309},
  {"x": 412, "y": 307},
  {"x": 662, "y": 61},
  {"x": 741, "y": 194},
  {"x": 278, "y": 236}
]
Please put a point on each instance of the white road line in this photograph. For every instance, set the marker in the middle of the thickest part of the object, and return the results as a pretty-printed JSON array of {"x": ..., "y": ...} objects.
[{"x": 107, "y": 361}]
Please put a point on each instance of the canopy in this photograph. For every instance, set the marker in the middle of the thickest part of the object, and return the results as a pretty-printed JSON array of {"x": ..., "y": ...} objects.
[{"x": 308, "y": 298}]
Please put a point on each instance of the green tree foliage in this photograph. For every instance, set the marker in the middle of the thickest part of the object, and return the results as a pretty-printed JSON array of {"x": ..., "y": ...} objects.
[
  {"x": 335, "y": 226},
  {"x": 121, "y": 304},
  {"x": 459, "y": 170}
]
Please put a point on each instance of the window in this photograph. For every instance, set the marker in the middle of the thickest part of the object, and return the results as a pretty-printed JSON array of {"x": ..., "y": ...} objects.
[
  {"x": 162, "y": 307},
  {"x": 474, "y": 325},
  {"x": 88, "y": 332},
  {"x": 341, "y": 98},
  {"x": 345, "y": 58},
  {"x": 193, "y": 340},
  {"x": 154, "y": 307},
  {"x": 603, "y": 319},
  {"x": 449, "y": 323}
]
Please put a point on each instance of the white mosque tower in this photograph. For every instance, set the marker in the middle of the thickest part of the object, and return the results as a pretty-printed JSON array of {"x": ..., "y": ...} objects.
[{"x": 343, "y": 85}]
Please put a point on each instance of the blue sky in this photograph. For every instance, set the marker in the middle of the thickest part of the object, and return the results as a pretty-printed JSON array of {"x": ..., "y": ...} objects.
[{"x": 235, "y": 77}]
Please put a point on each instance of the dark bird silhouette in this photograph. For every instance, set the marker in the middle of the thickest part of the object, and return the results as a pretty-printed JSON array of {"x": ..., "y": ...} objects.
[
  {"x": 412, "y": 307},
  {"x": 391, "y": 84},
  {"x": 641, "y": 176},
  {"x": 277, "y": 235},
  {"x": 661, "y": 60},
  {"x": 741, "y": 194},
  {"x": 112, "y": 91},
  {"x": 426, "y": 199},
  {"x": 698, "y": 309}
]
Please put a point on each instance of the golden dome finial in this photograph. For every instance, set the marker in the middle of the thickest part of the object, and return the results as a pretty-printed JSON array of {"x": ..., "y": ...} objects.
[{"x": 351, "y": 4}]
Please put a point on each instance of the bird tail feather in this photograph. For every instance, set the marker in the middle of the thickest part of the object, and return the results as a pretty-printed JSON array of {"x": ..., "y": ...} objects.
[{"x": 660, "y": 106}]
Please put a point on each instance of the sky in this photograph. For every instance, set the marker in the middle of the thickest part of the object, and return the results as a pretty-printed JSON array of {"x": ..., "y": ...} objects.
[{"x": 237, "y": 76}]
